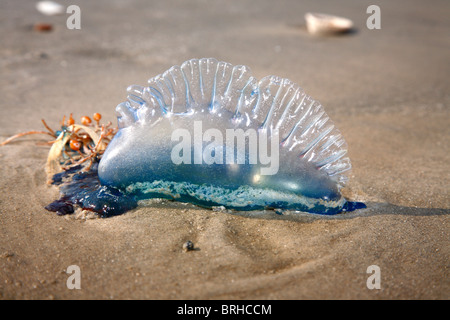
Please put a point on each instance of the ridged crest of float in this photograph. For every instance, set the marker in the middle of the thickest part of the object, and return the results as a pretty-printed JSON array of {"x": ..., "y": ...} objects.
[{"x": 209, "y": 85}]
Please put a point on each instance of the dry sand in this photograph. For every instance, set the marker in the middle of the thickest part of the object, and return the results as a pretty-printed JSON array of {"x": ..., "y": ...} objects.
[{"x": 387, "y": 91}]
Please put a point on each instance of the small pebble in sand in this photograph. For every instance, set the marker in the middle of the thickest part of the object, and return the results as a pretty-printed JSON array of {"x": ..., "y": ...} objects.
[
  {"x": 6, "y": 255},
  {"x": 43, "y": 27},
  {"x": 188, "y": 246}
]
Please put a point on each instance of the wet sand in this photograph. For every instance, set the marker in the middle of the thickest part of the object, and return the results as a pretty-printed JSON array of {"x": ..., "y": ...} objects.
[{"x": 386, "y": 90}]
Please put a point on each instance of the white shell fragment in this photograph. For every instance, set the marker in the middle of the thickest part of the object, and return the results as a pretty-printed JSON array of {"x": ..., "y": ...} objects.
[
  {"x": 50, "y": 8},
  {"x": 320, "y": 23}
]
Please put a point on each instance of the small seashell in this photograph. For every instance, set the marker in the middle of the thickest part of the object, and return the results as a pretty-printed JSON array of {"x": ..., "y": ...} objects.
[
  {"x": 50, "y": 8},
  {"x": 320, "y": 23},
  {"x": 188, "y": 246},
  {"x": 43, "y": 27}
]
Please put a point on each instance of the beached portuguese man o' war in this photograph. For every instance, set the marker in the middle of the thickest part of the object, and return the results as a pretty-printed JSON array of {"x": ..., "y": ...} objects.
[{"x": 210, "y": 134}]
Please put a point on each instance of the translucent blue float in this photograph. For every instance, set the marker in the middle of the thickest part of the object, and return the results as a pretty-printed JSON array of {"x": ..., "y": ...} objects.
[{"x": 209, "y": 133}]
